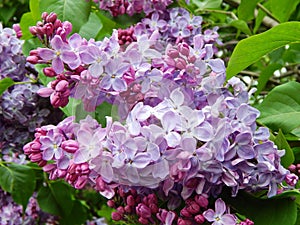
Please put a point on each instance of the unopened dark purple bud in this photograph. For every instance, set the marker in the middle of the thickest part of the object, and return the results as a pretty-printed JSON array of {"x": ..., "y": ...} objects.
[
  {"x": 51, "y": 18},
  {"x": 49, "y": 167},
  {"x": 57, "y": 24},
  {"x": 153, "y": 208},
  {"x": 202, "y": 201},
  {"x": 121, "y": 210},
  {"x": 116, "y": 216},
  {"x": 143, "y": 210},
  {"x": 192, "y": 183},
  {"x": 291, "y": 179},
  {"x": 193, "y": 208},
  {"x": 32, "y": 59},
  {"x": 292, "y": 168},
  {"x": 128, "y": 209},
  {"x": 130, "y": 200},
  {"x": 62, "y": 86},
  {"x": 81, "y": 182},
  {"x": 40, "y": 31},
  {"x": 35, "y": 157},
  {"x": 61, "y": 173},
  {"x": 184, "y": 212},
  {"x": 32, "y": 30},
  {"x": 42, "y": 163},
  {"x": 143, "y": 220},
  {"x": 70, "y": 146},
  {"x": 181, "y": 221},
  {"x": 49, "y": 29},
  {"x": 44, "y": 15},
  {"x": 184, "y": 49},
  {"x": 199, "y": 219},
  {"x": 111, "y": 203},
  {"x": 152, "y": 199},
  {"x": 18, "y": 30}
]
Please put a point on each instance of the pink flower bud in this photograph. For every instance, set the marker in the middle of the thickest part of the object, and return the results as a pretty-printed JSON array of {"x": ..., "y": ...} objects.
[
  {"x": 181, "y": 221},
  {"x": 111, "y": 203},
  {"x": 180, "y": 63},
  {"x": 81, "y": 182},
  {"x": 292, "y": 168},
  {"x": 62, "y": 86},
  {"x": 173, "y": 53},
  {"x": 143, "y": 220},
  {"x": 18, "y": 30},
  {"x": 32, "y": 59},
  {"x": 121, "y": 210},
  {"x": 35, "y": 157},
  {"x": 153, "y": 208},
  {"x": 199, "y": 219},
  {"x": 51, "y": 18},
  {"x": 57, "y": 24},
  {"x": 291, "y": 179},
  {"x": 49, "y": 28},
  {"x": 184, "y": 49},
  {"x": 184, "y": 212},
  {"x": 44, "y": 15},
  {"x": 49, "y": 167},
  {"x": 42, "y": 163},
  {"x": 193, "y": 208},
  {"x": 116, "y": 216},
  {"x": 130, "y": 200},
  {"x": 49, "y": 72},
  {"x": 128, "y": 209},
  {"x": 32, "y": 30},
  {"x": 202, "y": 201},
  {"x": 70, "y": 146},
  {"x": 45, "y": 92},
  {"x": 143, "y": 210}
]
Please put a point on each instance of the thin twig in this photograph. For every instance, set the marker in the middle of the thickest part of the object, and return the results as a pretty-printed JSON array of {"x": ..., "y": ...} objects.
[
  {"x": 253, "y": 74},
  {"x": 264, "y": 9},
  {"x": 217, "y": 11}
]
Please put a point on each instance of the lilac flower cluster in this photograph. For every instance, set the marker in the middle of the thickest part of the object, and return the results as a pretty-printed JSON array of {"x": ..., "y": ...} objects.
[
  {"x": 12, "y": 213},
  {"x": 130, "y": 7},
  {"x": 12, "y": 60},
  {"x": 21, "y": 109},
  {"x": 181, "y": 131}
]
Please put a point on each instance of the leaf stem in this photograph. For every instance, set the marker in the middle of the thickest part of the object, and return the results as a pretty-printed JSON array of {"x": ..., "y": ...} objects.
[{"x": 264, "y": 9}]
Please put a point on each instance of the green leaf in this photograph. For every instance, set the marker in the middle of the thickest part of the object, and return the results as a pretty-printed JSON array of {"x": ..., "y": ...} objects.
[
  {"x": 282, "y": 143},
  {"x": 265, "y": 211},
  {"x": 5, "y": 83},
  {"x": 282, "y": 10},
  {"x": 281, "y": 108},
  {"x": 26, "y": 22},
  {"x": 246, "y": 9},
  {"x": 34, "y": 6},
  {"x": 78, "y": 214},
  {"x": 75, "y": 11},
  {"x": 92, "y": 27},
  {"x": 19, "y": 180},
  {"x": 56, "y": 198},
  {"x": 265, "y": 76},
  {"x": 253, "y": 48},
  {"x": 242, "y": 26},
  {"x": 207, "y": 4},
  {"x": 6, "y": 13},
  {"x": 107, "y": 25},
  {"x": 258, "y": 20}
]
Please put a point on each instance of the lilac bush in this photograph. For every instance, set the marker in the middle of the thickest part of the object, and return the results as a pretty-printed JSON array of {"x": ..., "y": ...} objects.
[{"x": 182, "y": 133}]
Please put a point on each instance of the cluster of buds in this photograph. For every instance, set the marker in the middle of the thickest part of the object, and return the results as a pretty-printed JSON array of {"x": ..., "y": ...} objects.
[
  {"x": 50, "y": 26},
  {"x": 126, "y": 36}
]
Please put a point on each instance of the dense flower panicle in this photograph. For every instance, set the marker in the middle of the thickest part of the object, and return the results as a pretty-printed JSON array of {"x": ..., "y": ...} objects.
[
  {"x": 183, "y": 133},
  {"x": 121, "y": 7},
  {"x": 12, "y": 213},
  {"x": 12, "y": 60}
]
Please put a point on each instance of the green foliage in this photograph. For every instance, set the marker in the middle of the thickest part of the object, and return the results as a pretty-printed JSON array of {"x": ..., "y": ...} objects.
[
  {"x": 265, "y": 211},
  {"x": 253, "y": 48},
  {"x": 56, "y": 198},
  {"x": 246, "y": 9},
  {"x": 282, "y": 10},
  {"x": 5, "y": 83},
  {"x": 19, "y": 180},
  {"x": 207, "y": 4},
  {"x": 281, "y": 108},
  {"x": 282, "y": 143}
]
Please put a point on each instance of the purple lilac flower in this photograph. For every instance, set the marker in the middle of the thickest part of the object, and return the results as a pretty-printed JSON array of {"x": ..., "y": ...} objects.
[
  {"x": 61, "y": 53},
  {"x": 219, "y": 216}
]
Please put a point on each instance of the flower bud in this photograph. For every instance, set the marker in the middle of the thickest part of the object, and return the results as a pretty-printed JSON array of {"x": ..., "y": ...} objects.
[
  {"x": 291, "y": 179},
  {"x": 32, "y": 59},
  {"x": 110, "y": 203},
  {"x": 130, "y": 200},
  {"x": 128, "y": 209},
  {"x": 181, "y": 221},
  {"x": 193, "y": 208},
  {"x": 121, "y": 210},
  {"x": 202, "y": 201},
  {"x": 143, "y": 220},
  {"x": 184, "y": 212},
  {"x": 51, "y": 18},
  {"x": 116, "y": 216},
  {"x": 143, "y": 210},
  {"x": 199, "y": 219},
  {"x": 70, "y": 146},
  {"x": 44, "y": 15},
  {"x": 81, "y": 182}
]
